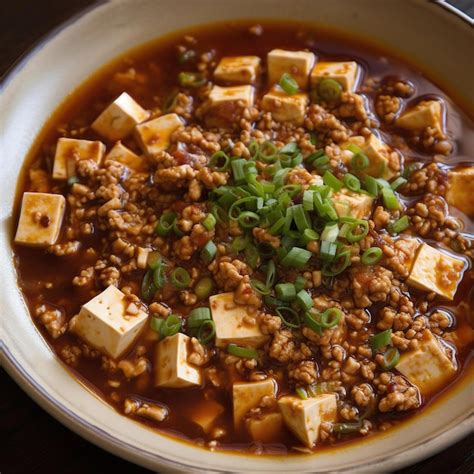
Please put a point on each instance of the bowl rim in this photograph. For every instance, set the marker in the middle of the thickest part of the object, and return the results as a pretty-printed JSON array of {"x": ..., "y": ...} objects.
[{"x": 133, "y": 453}]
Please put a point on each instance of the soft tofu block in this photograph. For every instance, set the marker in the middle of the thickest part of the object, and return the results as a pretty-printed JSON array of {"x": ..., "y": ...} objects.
[
  {"x": 428, "y": 367},
  {"x": 105, "y": 324},
  {"x": 304, "y": 417},
  {"x": 436, "y": 271},
  {"x": 70, "y": 150},
  {"x": 345, "y": 72},
  {"x": 238, "y": 69},
  {"x": 284, "y": 107},
  {"x": 248, "y": 395},
  {"x": 348, "y": 203},
  {"x": 460, "y": 193},
  {"x": 154, "y": 135},
  {"x": 267, "y": 428},
  {"x": 296, "y": 63},
  {"x": 427, "y": 113},
  {"x": 40, "y": 221},
  {"x": 205, "y": 413},
  {"x": 378, "y": 154},
  {"x": 124, "y": 155},
  {"x": 231, "y": 327},
  {"x": 119, "y": 118},
  {"x": 172, "y": 369}
]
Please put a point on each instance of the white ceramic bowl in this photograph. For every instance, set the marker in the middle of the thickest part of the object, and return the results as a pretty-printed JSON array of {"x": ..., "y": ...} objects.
[{"x": 430, "y": 35}]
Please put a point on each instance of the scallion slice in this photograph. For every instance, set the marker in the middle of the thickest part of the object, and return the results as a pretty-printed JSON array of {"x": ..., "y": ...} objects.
[
  {"x": 352, "y": 182},
  {"x": 301, "y": 392},
  {"x": 400, "y": 181},
  {"x": 206, "y": 331},
  {"x": 360, "y": 161},
  {"x": 208, "y": 252},
  {"x": 338, "y": 265},
  {"x": 327, "y": 250},
  {"x": 381, "y": 339},
  {"x": 289, "y": 316},
  {"x": 248, "y": 219},
  {"x": 329, "y": 90},
  {"x": 289, "y": 148},
  {"x": 390, "y": 201},
  {"x": 301, "y": 218},
  {"x": 391, "y": 358},
  {"x": 371, "y": 186},
  {"x": 288, "y": 84},
  {"x": 330, "y": 318},
  {"x": 296, "y": 257},
  {"x": 300, "y": 283},
  {"x": 203, "y": 288},
  {"x": 251, "y": 255},
  {"x": 165, "y": 224},
  {"x": 209, "y": 222},
  {"x": 238, "y": 170},
  {"x": 244, "y": 352},
  {"x": 399, "y": 225},
  {"x": 148, "y": 286},
  {"x": 260, "y": 287},
  {"x": 285, "y": 291},
  {"x": 191, "y": 79},
  {"x": 330, "y": 232},
  {"x": 197, "y": 317},
  {"x": 219, "y": 161},
  {"x": 310, "y": 319},
  {"x": 304, "y": 300},
  {"x": 331, "y": 181},
  {"x": 371, "y": 256},
  {"x": 180, "y": 278},
  {"x": 156, "y": 323},
  {"x": 309, "y": 235},
  {"x": 171, "y": 326},
  {"x": 240, "y": 243}
]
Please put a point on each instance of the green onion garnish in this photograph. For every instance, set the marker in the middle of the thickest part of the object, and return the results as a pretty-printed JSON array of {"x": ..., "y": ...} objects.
[
  {"x": 148, "y": 287},
  {"x": 288, "y": 84},
  {"x": 165, "y": 224},
  {"x": 238, "y": 170},
  {"x": 391, "y": 358},
  {"x": 191, "y": 79},
  {"x": 346, "y": 428},
  {"x": 309, "y": 235},
  {"x": 371, "y": 256},
  {"x": 271, "y": 274},
  {"x": 208, "y": 252},
  {"x": 180, "y": 278},
  {"x": 399, "y": 226},
  {"x": 197, "y": 316},
  {"x": 360, "y": 161},
  {"x": 371, "y": 186},
  {"x": 351, "y": 182},
  {"x": 327, "y": 250},
  {"x": 301, "y": 218},
  {"x": 296, "y": 258},
  {"x": 354, "y": 230},
  {"x": 308, "y": 200},
  {"x": 300, "y": 283},
  {"x": 156, "y": 323},
  {"x": 338, "y": 265},
  {"x": 209, "y": 222},
  {"x": 398, "y": 182},
  {"x": 330, "y": 232},
  {"x": 310, "y": 321},
  {"x": 304, "y": 300},
  {"x": 240, "y": 243},
  {"x": 285, "y": 291},
  {"x": 330, "y": 318},
  {"x": 245, "y": 352},
  {"x": 260, "y": 287},
  {"x": 251, "y": 255},
  {"x": 171, "y": 326},
  {"x": 331, "y": 181},
  {"x": 301, "y": 392},
  {"x": 382, "y": 339},
  {"x": 203, "y": 288},
  {"x": 329, "y": 90},
  {"x": 289, "y": 148},
  {"x": 390, "y": 201},
  {"x": 219, "y": 161},
  {"x": 206, "y": 331},
  {"x": 289, "y": 316},
  {"x": 248, "y": 219}
]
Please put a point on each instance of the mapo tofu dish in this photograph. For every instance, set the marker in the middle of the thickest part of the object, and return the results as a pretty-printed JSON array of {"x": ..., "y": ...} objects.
[{"x": 254, "y": 237}]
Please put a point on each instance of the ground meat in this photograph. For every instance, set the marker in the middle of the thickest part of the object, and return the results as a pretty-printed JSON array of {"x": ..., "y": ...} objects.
[
  {"x": 428, "y": 179},
  {"x": 134, "y": 368},
  {"x": 198, "y": 354},
  {"x": 400, "y": 255},
  {"x": 245, "y": 294},
  {"x": 53, "y": 320},
  {"x": 370, "y": 284},
  {"x": 398, "y": 394},
  {"x": 285, "y": 349},
  {"x": 176, "y": 176},
  {"x": 268, "y": 323},
  {"x": 304, "y": 373},
  {"x": 229, "y": 273},
  {"x": 362, "y": 394},
  {"x": 328, "y": 128},
  {"x": 212, "y": 179},
  {"x": 387, "y": 107}
]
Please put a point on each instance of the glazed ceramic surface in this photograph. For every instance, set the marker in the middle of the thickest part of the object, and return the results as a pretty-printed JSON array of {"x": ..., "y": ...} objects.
[{"x": 415, "y": 29}]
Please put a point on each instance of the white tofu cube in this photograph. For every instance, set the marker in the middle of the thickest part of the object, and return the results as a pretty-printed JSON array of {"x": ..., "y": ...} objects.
[
  {"x": 120, "y": 118},
  {"x": 238, "y": 69},
  {"x": 345, "y": 72},
  {"x": 304, "y": 417},
  {"x": 154, "y": 135},
  {"x": 284, "y": 107},
  {"x": 172, "y": 369},
  {"x": 378, "y": 154},
  {"x": 436, "y": 271},
  {"x": 40, "y": 221},
  {"x": 106, "y": 324},
  {"x": 231, "y": 328},
  {"x": 267, "y": 428},
  {"x": 428, "y": 367},
  {"x": 69, "y": 151},
  {"x": 296, "y": 63},
  {"x": 460, "y": 193},
  {"x": 348, "y": 203},
  {"x": 124, "y": 155},
  {"x": 427, "y": 113},
  {"x": 248, "y": 395},
  {"x": 205, "y": 413}
]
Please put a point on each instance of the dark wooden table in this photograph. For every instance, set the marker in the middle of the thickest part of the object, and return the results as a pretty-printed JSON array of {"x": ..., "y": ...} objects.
[{"x": 33, "y": 442}]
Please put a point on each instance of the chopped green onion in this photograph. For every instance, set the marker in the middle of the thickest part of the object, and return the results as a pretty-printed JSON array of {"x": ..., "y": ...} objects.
[
  {"x": 154, "y": 260},
  {"x": 391, "y": 358},
  {"x": 304, "y": 300},
  {"x": 301, "y": 218},
  {"x": 382, "y": 339},
  {"x": 383, "y": 183},
  {"x": 309, "y": 321},
  {"x": 285, "y": 291},
  {"x": 266, "y": 249},
  {"x": 296, "y": 258},
  {"x": 371, "y": 256},
  {"x": 238, "y": 170},
  {"x": 309, "y": 235},
  {"x": 245, "y": 352},
  {"x": 308, "y": 200},
  {"x": 159, "y": 277},
  {"x": 197, "y": 317},
  {"x": 354, "y": 229},
  {"x": 327, "y": 250},
  {"x": 171, "y": 326},
  {"x": 156, "y": 323},
  {"x": 219, "y": 161},
  {"x": 203, "y": 288},
  {"x": 191, "y": 79},
  {"x": 277, "y": 226},
  {"x": 206, "y": 331},
  {"x": 321, "y": 163},
  {"x": 329, "y": 90},
  {"x": 301, "y": 392},
  {"x": 72, "y": 180},
  {"x": 330, "y": 232},
  {"x": 248, "y": 219},
  {"x": 390, "y": 201},
  {"x": 400, "y": 181},
  {"x": 351, "y": 182},
  {"x": 271, "y": 274},
  {"x": 274, "y": 302},
  {"x": 338, "y": 265},
  {"x": 180, "y": 278},
  {"x": 288, "y": 84},
  {"x": 240, "y": 243},
  {"x": 300, "y": 283},
  {"x": 268, "y": 152},
  {"x": 186, "y": 56},
  {"x": 209, "y": 222},
  {"x": 260, "y": 287},
  {"x": 331, "y": 181},
  {"x": 251, "y": 255},
  {"x": 165, "y": 224},
  {"x": 176, "y": 229},
  {"x": 330, "y": 318},
  {"x": 346, "y": 428},
  {"x": 360, "y": 161},
  {"x": 208, "y": 252},
  {"x": 289, "y": 316},
  {"x": 289, "y": 148},
  {"x": 371, "y": 186},
  {"x": 399, "y": 225}
]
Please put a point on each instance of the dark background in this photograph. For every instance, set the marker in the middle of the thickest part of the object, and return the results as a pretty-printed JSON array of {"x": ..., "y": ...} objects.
[{"x": 34, "y": 442}]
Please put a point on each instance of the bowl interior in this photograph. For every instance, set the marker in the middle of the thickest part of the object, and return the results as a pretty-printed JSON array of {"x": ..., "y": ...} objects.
[{"x": 37, "y": 86}]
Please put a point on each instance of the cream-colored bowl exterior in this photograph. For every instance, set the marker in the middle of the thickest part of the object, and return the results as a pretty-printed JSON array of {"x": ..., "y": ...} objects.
[{"x": 435, "y": 39}]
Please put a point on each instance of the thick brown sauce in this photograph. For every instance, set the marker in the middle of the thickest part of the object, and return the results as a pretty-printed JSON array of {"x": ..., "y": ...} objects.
[{"x": 159, "y": 58}]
